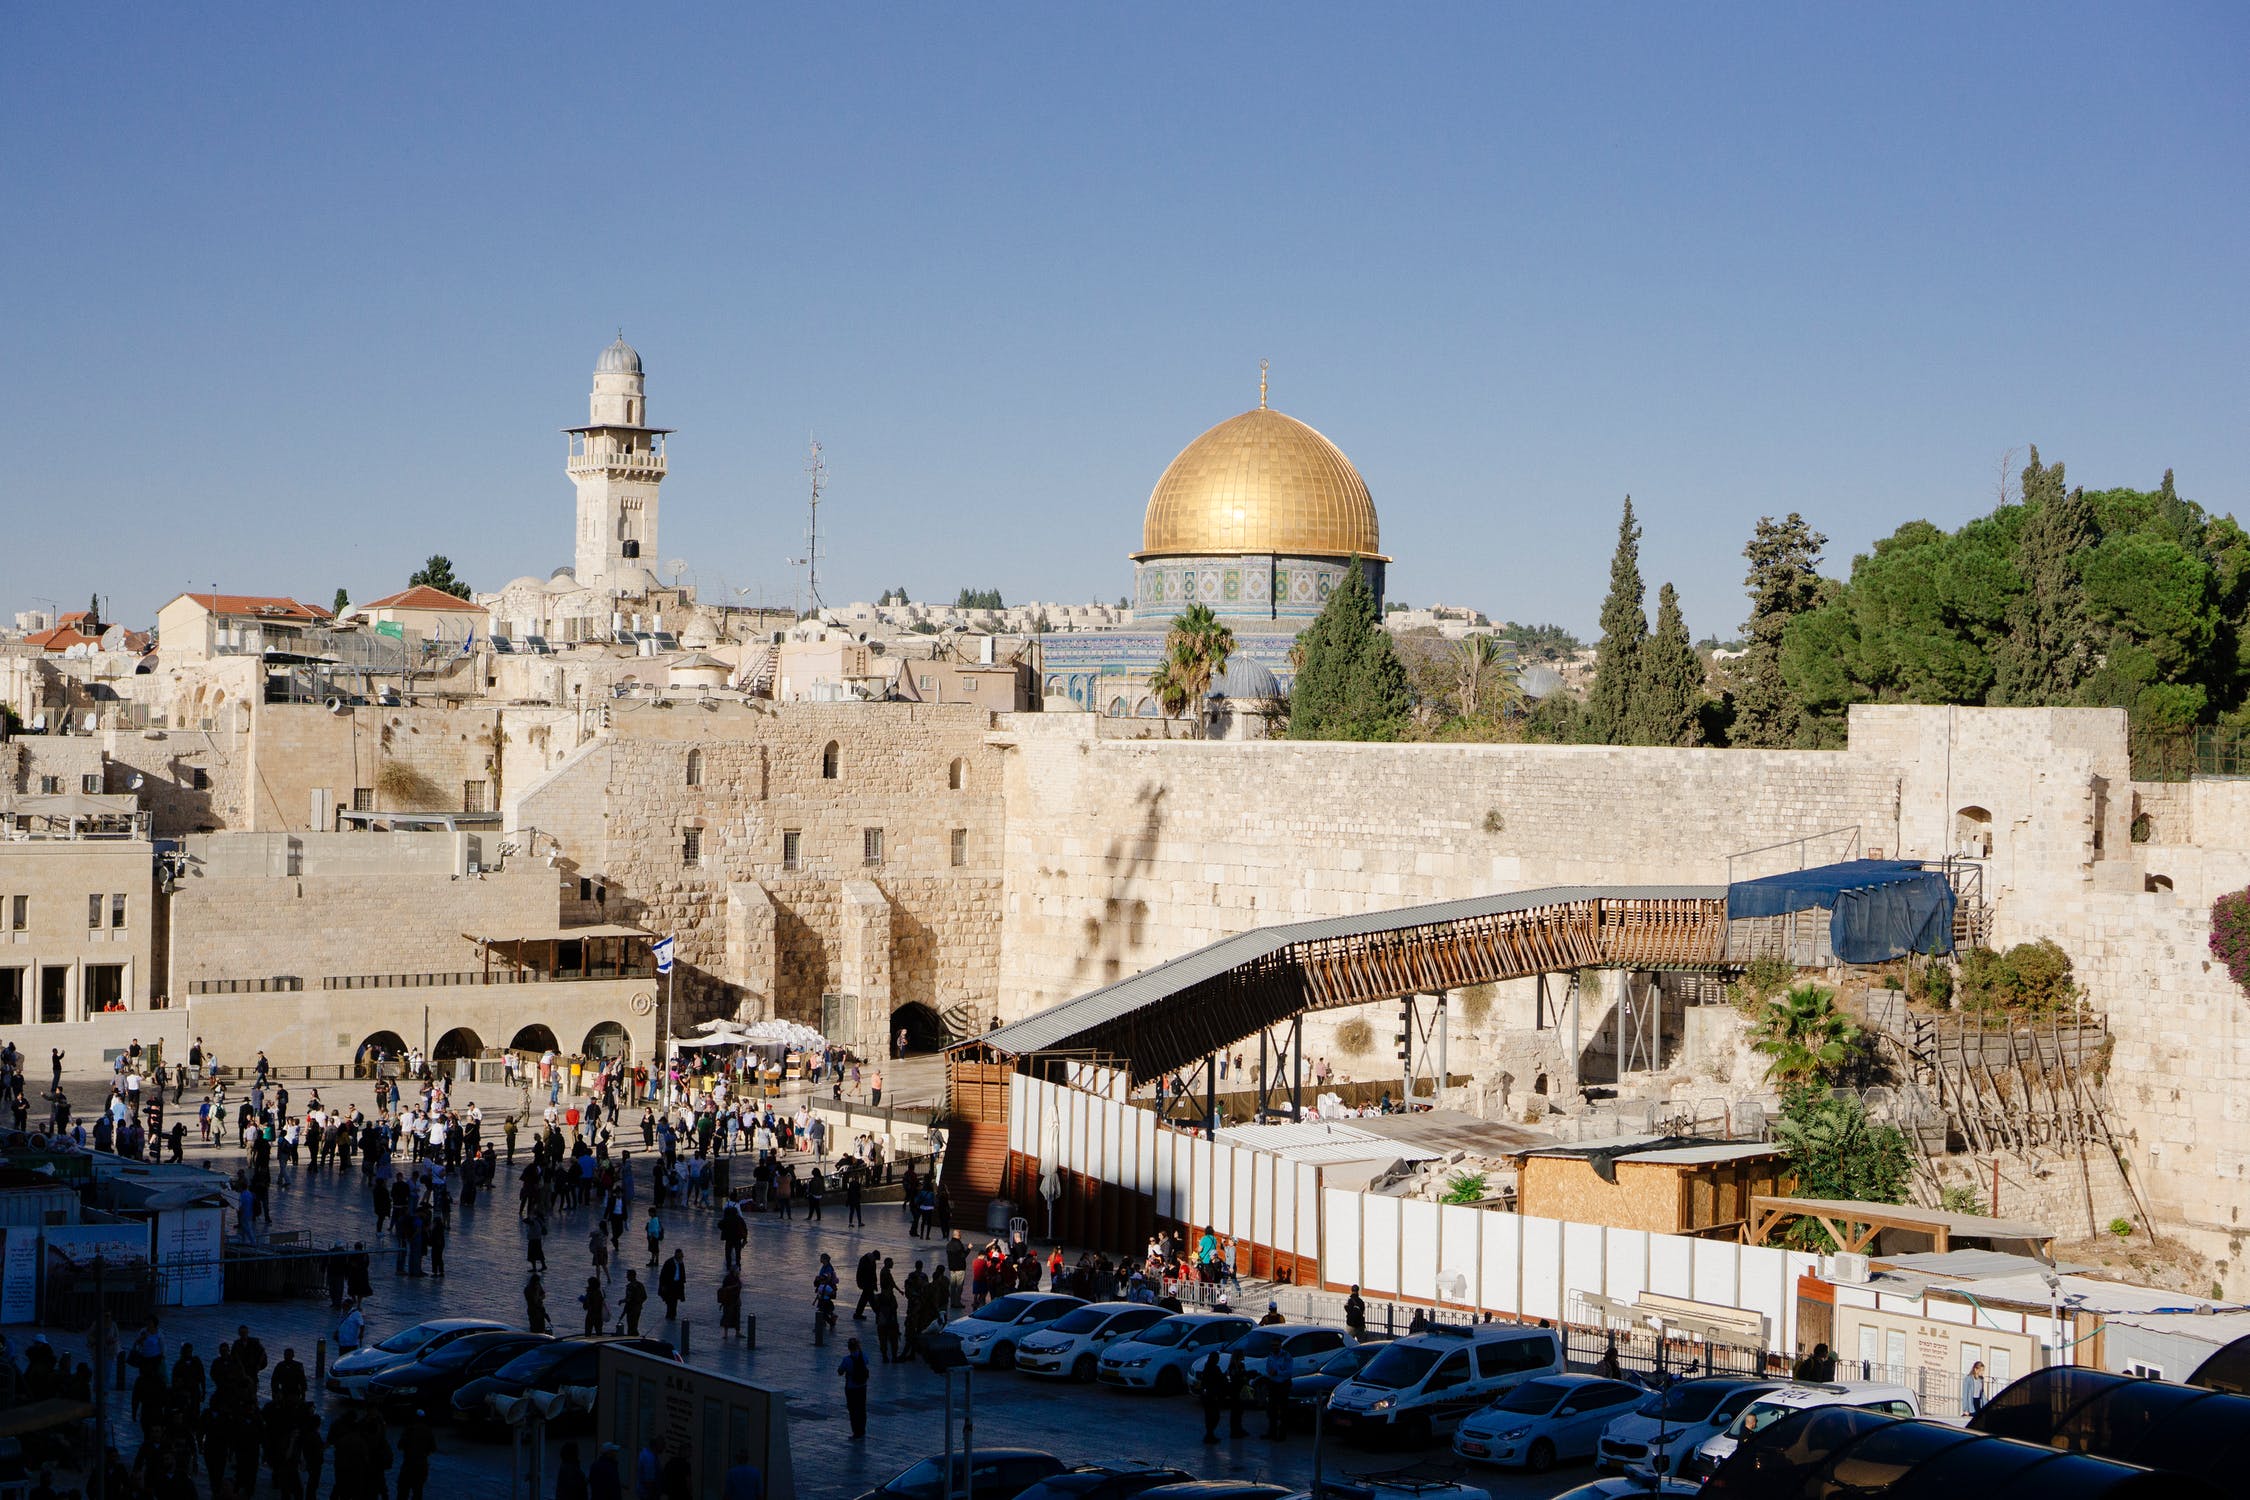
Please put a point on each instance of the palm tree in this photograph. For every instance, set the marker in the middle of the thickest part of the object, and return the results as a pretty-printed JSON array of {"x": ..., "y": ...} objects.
[
  {"x": 1808, "y": 1039},
  {"x": 1196, "y": 649},
  {"x": 1480, "y": 668}
]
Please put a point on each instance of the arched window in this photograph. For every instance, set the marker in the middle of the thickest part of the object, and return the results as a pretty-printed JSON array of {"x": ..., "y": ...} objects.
[
  {"x": 695, "y": 768},
  {"x": 2156, "y": 883},
  {"x": 828, "y": 762},
  {"x": 1972, "y": 833},
  {"x": 957, "y": 775}
]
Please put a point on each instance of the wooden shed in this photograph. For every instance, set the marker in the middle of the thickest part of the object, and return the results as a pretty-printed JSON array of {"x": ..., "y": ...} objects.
[{"x": 1666, "y": 1186}]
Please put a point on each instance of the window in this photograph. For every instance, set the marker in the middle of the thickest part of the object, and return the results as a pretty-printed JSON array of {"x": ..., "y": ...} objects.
[
  {"x": 968, "y": 684},
  {"x": 105, "y": 988},
  {"x": 585, "y": 888},
  {"x": 792, "y": 849},
  {"x": 923, "y": 680},
  {"x": 476, "y": 796},
  {"x": 117, "y": 909},
  {"x": 363, "y": 798},
  {"x": 957, "y": 775},
  {"x": 11, "y": 996},
  {"x": 199, "y": 779},
  {"x": 871, "y": 846},
  {"x": 691, "y": 847},
  {"x": 1453, "y": 1370},
  {"x": 94, "y": 911},
  {"x": 960, "y": 847},
  {"x": 19, "y": 913},
  {"x": 695, "y": 768},
  {"x": 50, "y": 786},
  {"x": 91, "y": 784},
  {"x": 828, "y": 758}
]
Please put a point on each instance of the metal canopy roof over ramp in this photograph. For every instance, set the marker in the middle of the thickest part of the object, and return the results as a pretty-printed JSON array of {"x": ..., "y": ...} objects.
[{"x": 1173, "y": 1014}]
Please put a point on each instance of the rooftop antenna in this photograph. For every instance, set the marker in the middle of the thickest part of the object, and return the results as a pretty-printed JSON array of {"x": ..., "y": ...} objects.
[{"x": 816, "y": 469}]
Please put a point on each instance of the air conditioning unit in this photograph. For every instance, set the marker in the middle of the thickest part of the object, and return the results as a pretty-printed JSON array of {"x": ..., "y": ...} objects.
[{"x": 1846, "y": 1268}]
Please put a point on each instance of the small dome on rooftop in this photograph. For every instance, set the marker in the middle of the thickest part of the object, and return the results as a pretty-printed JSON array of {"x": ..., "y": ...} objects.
[{"x": 620, "y": 358}]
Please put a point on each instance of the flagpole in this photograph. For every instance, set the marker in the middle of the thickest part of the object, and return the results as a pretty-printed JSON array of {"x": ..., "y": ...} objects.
[{"x": 671, "y": 1088}]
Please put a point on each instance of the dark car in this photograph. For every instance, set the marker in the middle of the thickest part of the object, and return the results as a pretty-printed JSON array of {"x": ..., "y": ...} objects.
[
  {"x": 1216, "y": 1489},
  {"x": 999, "y": 1474},
  {"x": 548, "y": 1367},
  {"x": 424, "y": 1387},
  {"x": 1103, "y": 1482},
  {"x": 1310, "y": 1386}
]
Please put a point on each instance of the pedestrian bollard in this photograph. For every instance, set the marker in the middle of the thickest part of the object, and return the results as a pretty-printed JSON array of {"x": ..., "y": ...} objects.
[
  {"x": 750, "y": 1332},
  {"x": 687, "y": 1330},
  {"x": 320, "y": 1359}
]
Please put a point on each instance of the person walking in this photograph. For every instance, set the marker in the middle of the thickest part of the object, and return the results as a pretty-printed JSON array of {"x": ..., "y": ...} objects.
[
  {"x": 852, "y": 1194},
  {"x": 636, "y": 1297},
  {"x": 1355, "y": 1314},
  {"x": 671, "y": 1285},
  {"x": 655, "y": 1231},
  {"x": 597, "y": 1246},
  {"x": 1211, "y": 1390},
  {"x": 596, "y": 1305},
  {"x": 1973, "y": 1390},
  {"x": 415, "y": 1445},
  {"x": 1238, "y": 1390},
  {"x": 730, "y": 1303},
  {"x": 535, "y": 1304},
  {"x": 853, "y": 1368},
  {"x": 1281, "y": 1369},
  {"x": 865, "y": 1275},
  {"x": 433, "y": 1240}
]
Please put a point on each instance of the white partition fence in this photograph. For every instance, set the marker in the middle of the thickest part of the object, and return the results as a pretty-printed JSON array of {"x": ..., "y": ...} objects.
[{"x": 1286, "y": 1223}]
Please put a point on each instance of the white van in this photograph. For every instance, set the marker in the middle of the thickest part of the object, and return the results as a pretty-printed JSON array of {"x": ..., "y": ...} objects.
[
  {"x": 1890, "y": 1400},
  {"x": 1420, "y": 1387}
]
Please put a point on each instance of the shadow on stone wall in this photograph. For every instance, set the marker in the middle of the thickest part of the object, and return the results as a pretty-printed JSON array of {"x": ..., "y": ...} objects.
[{"x": 1113, "y": 938}]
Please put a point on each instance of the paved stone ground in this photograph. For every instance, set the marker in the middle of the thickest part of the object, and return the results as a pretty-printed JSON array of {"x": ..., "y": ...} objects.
[{"x": 485, "y": 1265}]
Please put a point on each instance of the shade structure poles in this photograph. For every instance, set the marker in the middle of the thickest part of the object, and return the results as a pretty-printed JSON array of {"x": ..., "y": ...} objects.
[
  {"x": 1297, "y": 1062},
  {"x": 1211, "y": 1095}
]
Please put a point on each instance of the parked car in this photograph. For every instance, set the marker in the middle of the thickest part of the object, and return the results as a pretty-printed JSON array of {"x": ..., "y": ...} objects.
[
  {"x": 1661, "y": 1434},
  {"x": 1103, "y": 1482},
  {"x": 1891, "y": 1400},
  {"x": 547, "y": 1367},
  {"x": 1162, "y": 1357},
  {"x": 1307, "y": 1343},
  {"x": 1217, "y": 1489},
  {"x": 989, "y": 1335},
  {"x": 997, "y": 1474},
  {"x": 424, "y": 1386},
  {"x": 350, "y": 1374},
  {"x": 1420, "y": 1387},
  {"x": 1400, "y": 1486},
  {"x": 1071, "y": 1343},
  {"x": 1619, "y": 1487},
  {"x": 1311, "y": 1385},
  {"x": 1541, "y": 1421}
]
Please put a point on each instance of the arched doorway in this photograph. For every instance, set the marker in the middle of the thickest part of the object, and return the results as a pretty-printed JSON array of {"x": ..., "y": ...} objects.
[
  {"x": 1972, "y": 833},
  {"x": 381, "y": 1048},
  {"x": 609, "y": 1040},
  {"x": 459, "y": 1042},
  {"x": 535, "y": 1038},
  {"x": 924, "y": 1031}
]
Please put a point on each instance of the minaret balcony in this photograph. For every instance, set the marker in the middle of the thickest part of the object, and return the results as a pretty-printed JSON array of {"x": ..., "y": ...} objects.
[{"x": 616, "y": 461}]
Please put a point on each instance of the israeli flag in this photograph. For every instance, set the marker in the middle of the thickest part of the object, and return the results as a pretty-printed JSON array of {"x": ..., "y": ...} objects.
[{"x": 662, "y": 948}]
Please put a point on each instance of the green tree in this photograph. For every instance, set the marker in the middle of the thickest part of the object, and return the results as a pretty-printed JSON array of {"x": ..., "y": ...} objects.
[
  {"x": 1784, "y": 583},
  {"x": 1805, "y": 1037},
  {"x": 1669, "y": 706},
  {"x": 437, "y": 573},
  {"x": 1617, "y": 663},
  {"x": 1835, "y": 1151},
  {"x": 1350, "y": 683},
  {"x": 1481, "y": 674},
  {"x": 343, "y": 602},
  {"x": 2049, "y": 649},
  {"x": 978, "y": 599}
]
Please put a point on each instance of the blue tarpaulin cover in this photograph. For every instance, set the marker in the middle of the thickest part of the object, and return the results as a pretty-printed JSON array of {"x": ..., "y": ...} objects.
[{"x": 1882, "y": 908}]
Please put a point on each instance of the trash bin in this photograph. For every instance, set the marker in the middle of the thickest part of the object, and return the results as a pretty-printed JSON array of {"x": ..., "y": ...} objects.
[
  {"x": 722, "y": 1178},
  {"x": 997, "y": 1213}
]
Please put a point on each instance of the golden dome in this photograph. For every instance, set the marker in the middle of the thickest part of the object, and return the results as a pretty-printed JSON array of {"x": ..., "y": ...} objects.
[{"x": 1260, "y": 483}]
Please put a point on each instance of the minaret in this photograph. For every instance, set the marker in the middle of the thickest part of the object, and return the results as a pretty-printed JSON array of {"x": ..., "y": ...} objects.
[{"x": 617, "y": 462}]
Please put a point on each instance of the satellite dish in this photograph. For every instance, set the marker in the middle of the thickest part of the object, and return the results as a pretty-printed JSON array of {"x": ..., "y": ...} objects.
[
  {"x": 1452, "y": 1286},
  {"x": 677, "y": 567}
]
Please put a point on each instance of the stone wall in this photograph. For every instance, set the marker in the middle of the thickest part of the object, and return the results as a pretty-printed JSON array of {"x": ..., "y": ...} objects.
[{"x": 623, "y": 807}]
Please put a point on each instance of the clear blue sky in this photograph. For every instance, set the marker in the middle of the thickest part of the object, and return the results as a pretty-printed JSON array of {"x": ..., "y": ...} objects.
[{"x": 297, "y": 296}]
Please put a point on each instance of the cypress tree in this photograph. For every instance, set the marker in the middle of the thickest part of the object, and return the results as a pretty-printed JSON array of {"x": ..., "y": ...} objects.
[
  {"x": 1350, "y": 683},
  {"x": 1668, "y": 710},
  {"x": 1617, "y": 661},
  {"x": 2048, "y": 649},
  {"x": 1784, "y": 582}
]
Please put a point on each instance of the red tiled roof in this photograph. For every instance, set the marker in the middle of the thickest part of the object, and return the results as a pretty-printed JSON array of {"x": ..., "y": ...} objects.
[
  {"x": 255, "y": 604},
  {"x": 61, "y": 638},
  {"x": 422, "y": 596}
]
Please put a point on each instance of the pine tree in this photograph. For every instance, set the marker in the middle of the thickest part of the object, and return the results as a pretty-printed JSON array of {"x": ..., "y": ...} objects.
[
  {"x": 1350, "y": 683},
  {"x": 2048, "y": 649},
  {"x": 437, "y": 573},
  {"x": 1668, "y": 708},
  {"x": 1617, "y": 661},
  {"x": 343, "y": 602},
  {"x": 1784, "y": 582}
]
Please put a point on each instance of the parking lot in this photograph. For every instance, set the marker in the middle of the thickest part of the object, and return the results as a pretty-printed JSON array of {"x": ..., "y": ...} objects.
[{"x": 486, "y": 1272}]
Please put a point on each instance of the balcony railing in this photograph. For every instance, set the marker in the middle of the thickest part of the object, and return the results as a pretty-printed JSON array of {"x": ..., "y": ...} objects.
[{"x": 633, "y": 460}]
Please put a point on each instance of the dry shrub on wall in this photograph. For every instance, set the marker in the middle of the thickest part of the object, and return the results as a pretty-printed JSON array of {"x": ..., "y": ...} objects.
[
  {"x": 2230, "y": 935},
  {"x": 1476, "y": 1003},
  {"x": 1355, "y": 1038},
  {"x": 401, "y": 786}
]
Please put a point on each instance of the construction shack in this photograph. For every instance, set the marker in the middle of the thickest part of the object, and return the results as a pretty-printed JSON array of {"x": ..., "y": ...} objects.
[{"x": 1661, "y": 1184}]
